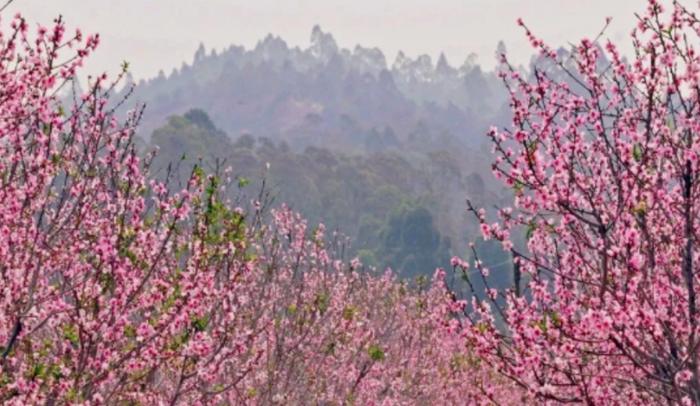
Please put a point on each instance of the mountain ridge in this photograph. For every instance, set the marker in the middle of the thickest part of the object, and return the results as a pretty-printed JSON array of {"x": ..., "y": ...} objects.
[{"x": 304, "y": 95}]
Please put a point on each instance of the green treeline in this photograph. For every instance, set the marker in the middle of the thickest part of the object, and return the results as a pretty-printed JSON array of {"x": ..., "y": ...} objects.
[{"x": 397, "y": 208}]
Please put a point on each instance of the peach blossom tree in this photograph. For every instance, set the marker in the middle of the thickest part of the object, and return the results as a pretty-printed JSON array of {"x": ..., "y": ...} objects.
[
  {"x": 602, "y": 155},
  {"x": 116, "y": 289}
]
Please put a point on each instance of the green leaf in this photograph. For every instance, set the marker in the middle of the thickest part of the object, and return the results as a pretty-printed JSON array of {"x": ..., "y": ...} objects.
[
  {"x": 637, "y": 152},
  {"x": 39, "y": 371},
  {"x": 640, "y": 208},
  {"x": 531, "y": 227},
  {"x": 70, "y": 333},
  {"x": 243, "y": 182},
  {"x": 375, "y": 352},
  {"x": 518, "y": 186},
  {"x": 198, "y": 171},
  {"x": 322, "y": 301},
  {"x": 129, "y": 331},
  {"x": 200, "y": 323},
  {"x": 178, "y": 341},
  {"x": 349, "y": 313},
  {"x": 170, "y": 301},
  {"x": 55, "y": 372},
  {"x": 107, "y": 283},
  {"x": 73, "y": 396},
  {"x": 542, "y": 325},
  {"x": 554, "y": 317}
]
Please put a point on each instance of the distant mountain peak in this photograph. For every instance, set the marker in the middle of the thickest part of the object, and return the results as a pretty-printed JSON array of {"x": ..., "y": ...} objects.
[
  {"x": 469, "y": 64},
  {"x": 272, "y": 40},
  {"x": 443, "y": 67},
  {"x": 400, "y": 62},
  {"x": 368, "y": 60},
  {"x": 200, "y": 54},
  {"x": 271, "y": 88},
  {"x": 323, "y": 45},
  {"x": 442, "y": 61},
  {"x": 272, "y": 48},
  {"x": 419, "y": 69}
]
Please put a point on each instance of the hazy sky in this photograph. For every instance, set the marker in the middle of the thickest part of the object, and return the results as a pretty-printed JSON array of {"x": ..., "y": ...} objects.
[{"x": 161, "y": 34}]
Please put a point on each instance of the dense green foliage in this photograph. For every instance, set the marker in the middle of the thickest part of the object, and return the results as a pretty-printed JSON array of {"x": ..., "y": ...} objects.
[
  {"x": 407, "y": 240},
  {"x": 397, "y": 208}
]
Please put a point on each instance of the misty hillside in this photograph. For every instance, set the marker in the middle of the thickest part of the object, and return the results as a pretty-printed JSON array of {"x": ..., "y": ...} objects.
[
  {"x": 385, "y": 153},
  {"x": 325, "y": 95}
]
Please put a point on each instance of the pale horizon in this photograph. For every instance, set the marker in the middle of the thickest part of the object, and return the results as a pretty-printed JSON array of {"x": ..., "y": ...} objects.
[{"x": 161, "y": 34}]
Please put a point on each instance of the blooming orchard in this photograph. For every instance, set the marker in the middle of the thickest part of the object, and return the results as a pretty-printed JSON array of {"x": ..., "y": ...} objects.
[{"x": 117, "y": 290}]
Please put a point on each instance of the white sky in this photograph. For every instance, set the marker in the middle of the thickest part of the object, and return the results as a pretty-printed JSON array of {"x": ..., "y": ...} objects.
[{"x": 161, "y": 34}]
